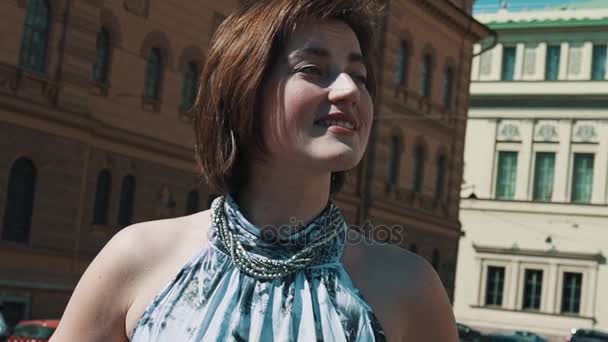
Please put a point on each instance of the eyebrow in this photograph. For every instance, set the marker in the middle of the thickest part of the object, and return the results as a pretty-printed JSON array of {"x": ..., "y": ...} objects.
[{"x": 353, "y": 57}]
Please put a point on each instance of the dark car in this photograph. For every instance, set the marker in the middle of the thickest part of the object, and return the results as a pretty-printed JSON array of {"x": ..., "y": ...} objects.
[
  {"x": 33, "y": 331},
  {"x": 468, "y": 334},
  {"x": 587, "y": 335},
  {"x": 516, "y": 336}
]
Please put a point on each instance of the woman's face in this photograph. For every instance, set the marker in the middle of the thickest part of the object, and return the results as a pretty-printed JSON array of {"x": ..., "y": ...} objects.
[{"x": 317, "y": 111}]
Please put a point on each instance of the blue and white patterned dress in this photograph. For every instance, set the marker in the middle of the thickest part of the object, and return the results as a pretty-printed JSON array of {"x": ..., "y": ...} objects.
[{"x": 211, "y": 300}]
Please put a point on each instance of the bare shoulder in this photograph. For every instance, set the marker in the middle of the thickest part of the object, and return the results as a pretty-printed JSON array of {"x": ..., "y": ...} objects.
[
  {"x": 118, "y": 272},
  {"x": 404, "y": 290}
]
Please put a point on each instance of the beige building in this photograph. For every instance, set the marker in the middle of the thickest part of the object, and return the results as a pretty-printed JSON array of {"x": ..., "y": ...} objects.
[
  {"x": 95, "y": 136},
  {"x": 534, "y": 207}
]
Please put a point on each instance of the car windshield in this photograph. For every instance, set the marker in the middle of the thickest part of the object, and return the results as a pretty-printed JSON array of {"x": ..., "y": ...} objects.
[{"x": 32, "y": 331}]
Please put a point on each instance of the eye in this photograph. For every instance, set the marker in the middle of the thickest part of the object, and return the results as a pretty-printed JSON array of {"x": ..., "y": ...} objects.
[{"x": 312, "y": 70}]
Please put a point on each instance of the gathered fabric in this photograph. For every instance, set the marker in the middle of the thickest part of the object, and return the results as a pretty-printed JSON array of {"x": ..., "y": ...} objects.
[{"x": 210, "y": 299}]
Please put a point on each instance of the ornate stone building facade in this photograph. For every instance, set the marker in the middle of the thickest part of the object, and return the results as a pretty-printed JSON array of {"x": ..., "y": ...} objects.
[
  {"x": 95, "y": 134},
  {"x": 535, "y": 194}
]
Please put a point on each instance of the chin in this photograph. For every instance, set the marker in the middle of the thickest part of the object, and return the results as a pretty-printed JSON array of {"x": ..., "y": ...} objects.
[{"x": 342, "y": 161}]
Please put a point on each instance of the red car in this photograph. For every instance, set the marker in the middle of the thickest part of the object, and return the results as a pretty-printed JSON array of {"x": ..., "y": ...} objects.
[{"x": 33, "y": 331}]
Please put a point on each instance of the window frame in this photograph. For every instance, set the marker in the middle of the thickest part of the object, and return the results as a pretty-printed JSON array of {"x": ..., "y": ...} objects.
[
  {"x": 503, "y": 60},
  {"x": 27, "y": 46}
]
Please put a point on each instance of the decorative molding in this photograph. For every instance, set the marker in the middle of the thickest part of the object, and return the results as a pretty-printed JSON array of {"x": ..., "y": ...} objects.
[
  {"x": 21, "y": 83},
  {"x": 546, "y": 131},
  {"x": 585, "y": 132},
  {"x": 551, "y": 253},
  {"x": 508, "y": 131},
  {"x": 158, "y": 39},
  {"x": 190, "y": 53}
]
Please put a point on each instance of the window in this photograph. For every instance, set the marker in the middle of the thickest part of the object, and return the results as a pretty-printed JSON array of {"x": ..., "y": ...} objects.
[
  {"x": 35, "y": 37},
  {"x": 127, "y": 194},
  {"x": 508, "y": 63},
  {"x": 598, "y": 66},
  {"x": 571, "y": 292},
  {"x": 418, "y": 168},
  {"x": 100, "y": 69},
  {"x": 495, "y": 282},
  {"x": 102, "y": 198},
  {"x": 552, "y": 65},
  {"x": 153, "y": 75},
  {"x": 544, "y": 170},
  {"x": 425, "y": 81},
  {"x": 192, "y": 202},
  {"x": 440, "y": 181},
  {"x": 506, "y": 175},
  {"x": 448, "y": 81},
  {"x": 189, "y": 87},
  {"x": 393, "y": 161},
  {"x": 532, "y": 289},
  {"x": 20, "y": 201},
  {"x": 582, "y": 178},
  {"x": 402, "y": 65}
]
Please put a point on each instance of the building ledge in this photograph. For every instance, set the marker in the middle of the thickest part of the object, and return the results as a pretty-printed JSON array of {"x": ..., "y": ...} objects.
[
  {"x": 550, "y": 253},
  {"x": 536, "y": 88},
  {"x": 496, "y": 308},
  {"x": 518, "y": 206}
]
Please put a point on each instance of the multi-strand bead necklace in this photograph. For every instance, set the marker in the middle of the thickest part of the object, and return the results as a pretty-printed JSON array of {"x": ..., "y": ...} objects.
[{"x": 266, "y": 268}]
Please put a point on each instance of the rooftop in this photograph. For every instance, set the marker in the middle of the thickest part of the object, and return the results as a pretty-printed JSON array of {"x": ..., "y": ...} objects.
[{"x": 577, "y": 14}]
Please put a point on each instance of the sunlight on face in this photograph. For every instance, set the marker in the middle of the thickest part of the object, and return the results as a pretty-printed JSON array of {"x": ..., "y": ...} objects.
[{"x": 317, "y": 110}]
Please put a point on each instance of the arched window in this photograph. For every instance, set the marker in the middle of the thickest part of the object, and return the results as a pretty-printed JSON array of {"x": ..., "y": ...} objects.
[
  {"x": 20, "y": 201},
  {"x": 189, "y": 86},
  {"x": 393, "y": 160},
  {"x": 102, "y": 62},
  {"x": 127, "y": 194},
  {"x": 192, "y": 205},
  {"x": 402, "y": 64},
  {"x": 153, "y": 75},
  {"x": 448, "y": 81},
  {"x": 440, "y": 181},
  {"x": 425, "y": 79},
  {"x": 35, "y": 36},
  {"x": 435, "y": 259},
  {"x": 418, "y": 168},
  {"x": 102, "y": 198}
]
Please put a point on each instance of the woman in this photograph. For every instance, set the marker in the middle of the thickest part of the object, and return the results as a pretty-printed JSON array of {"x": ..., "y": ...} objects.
[{"x": 283, "y": 109}]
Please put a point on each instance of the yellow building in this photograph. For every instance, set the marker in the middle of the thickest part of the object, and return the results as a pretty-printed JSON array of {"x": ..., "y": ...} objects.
[{"x": 534, "y": 208}]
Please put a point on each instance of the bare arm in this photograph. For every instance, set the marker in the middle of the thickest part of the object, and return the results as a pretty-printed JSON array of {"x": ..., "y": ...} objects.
[
  {"x": 96, "y": 311},
  {"x": 426, "y": 309}
]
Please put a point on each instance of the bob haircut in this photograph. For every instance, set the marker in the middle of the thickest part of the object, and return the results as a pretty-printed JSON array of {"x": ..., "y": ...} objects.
[{"x": 226, "y": 115}]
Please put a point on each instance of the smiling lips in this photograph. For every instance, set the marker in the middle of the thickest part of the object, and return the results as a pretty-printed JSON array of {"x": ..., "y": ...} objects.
[{"x": 338, "y": 123}]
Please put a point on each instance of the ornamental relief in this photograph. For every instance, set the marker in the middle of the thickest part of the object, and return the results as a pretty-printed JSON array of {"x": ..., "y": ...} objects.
[
  {"x": 585, "y": 131},
  {"x": 546, "y": 131},
  {"x": 508, "y": 131}
]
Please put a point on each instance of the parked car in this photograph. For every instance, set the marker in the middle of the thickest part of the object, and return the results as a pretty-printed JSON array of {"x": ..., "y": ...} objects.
[
  {"x": 515, "y": 336},
  {"x": 33, "y": 330},
  {"x": 587, "y": 335},
  {"x": 468, "y": 334}
]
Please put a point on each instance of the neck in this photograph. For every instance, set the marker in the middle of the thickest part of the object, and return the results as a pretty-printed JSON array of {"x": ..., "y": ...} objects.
[{"x": 272, "y": 200}]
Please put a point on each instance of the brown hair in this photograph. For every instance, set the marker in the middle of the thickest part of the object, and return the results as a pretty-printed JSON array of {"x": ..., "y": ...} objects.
[{"x": 227, "y": 122}]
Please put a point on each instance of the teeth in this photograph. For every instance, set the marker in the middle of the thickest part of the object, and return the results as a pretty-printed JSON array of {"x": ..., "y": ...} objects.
[{"x": 328, "y": 123}]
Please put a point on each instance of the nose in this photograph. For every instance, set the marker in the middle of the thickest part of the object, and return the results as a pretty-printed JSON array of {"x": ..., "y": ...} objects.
[{"x": 344, "y": 88}]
